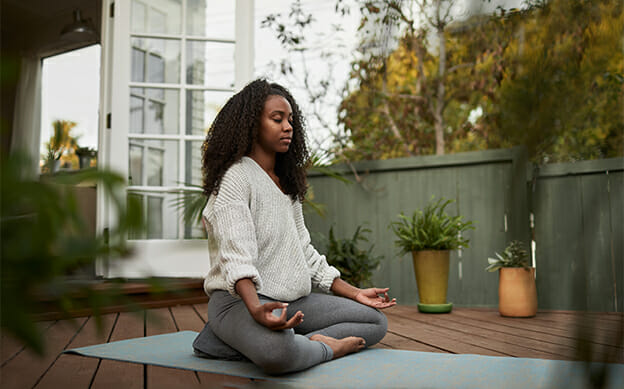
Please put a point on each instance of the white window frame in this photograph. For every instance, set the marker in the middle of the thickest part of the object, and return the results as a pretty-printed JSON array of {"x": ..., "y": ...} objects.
[{"x": 171, "y": 258}]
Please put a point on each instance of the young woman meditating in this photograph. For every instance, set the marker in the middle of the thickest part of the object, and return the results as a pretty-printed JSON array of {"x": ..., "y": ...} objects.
[{"x": 263, "y": 265}]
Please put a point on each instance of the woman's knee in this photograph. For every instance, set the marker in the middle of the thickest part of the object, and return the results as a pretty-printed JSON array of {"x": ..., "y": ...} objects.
[{"x": 380, "y": 327}]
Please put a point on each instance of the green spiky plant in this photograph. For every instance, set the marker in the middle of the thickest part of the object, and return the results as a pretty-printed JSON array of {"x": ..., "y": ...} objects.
[
  {"x": 514, "y": 255},
  {"x": 355, "y": 264},
  {"x": 431, "y": 229}
]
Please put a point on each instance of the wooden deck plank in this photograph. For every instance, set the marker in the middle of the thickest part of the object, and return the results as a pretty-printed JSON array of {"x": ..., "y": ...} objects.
[
  {"x": 187, "y": 318},
  {"x": 26, "y": 369},
  {"x": 565, "y": 322},
  {"x": 82, "y": 369},
  {"x": 396, "y": 341},
  {"x": 114, "y": 374},
  {"x": 160, "y": 321},
  {"x": 505, "y": 342},
  {"x": 434, "y": 337},
  {"x": 542, "y": 341},
  {"x": 11, "y": 347},
  {"x": 530, "y": 324},
  {"x": 202, "y": 309}
]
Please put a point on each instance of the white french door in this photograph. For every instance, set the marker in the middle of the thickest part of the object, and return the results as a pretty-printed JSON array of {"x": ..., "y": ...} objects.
[{"x": 168, "y": 67}]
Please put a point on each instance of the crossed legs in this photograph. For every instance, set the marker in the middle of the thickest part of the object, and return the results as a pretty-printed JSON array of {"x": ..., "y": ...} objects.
[{"x": 327, "y": 318}]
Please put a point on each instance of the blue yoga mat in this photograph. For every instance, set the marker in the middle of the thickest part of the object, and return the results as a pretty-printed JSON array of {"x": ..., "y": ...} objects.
[{"x": 371, "y": 368}]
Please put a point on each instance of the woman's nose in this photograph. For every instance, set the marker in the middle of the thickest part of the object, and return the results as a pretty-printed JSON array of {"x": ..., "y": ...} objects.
[{"x": 288, "y": 126}]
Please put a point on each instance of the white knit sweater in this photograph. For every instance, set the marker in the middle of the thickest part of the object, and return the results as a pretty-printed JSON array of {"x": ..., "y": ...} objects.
[{"x": 256, "y": 231}]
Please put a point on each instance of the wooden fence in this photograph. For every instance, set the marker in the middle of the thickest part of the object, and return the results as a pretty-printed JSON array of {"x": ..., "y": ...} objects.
[
  {"x": 579, "y": 235},
  {"x": 498, "y": 190}
]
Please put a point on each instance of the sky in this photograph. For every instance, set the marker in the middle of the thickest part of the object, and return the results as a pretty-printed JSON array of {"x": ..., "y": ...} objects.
[{"x": 70, "y": 89}]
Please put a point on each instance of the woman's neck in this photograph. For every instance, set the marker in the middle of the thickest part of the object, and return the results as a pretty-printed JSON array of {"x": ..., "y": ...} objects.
[{"x": 265, "y": 160}]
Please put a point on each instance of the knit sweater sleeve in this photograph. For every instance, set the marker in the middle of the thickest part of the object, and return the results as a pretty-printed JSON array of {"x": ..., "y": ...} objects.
[
  {"x": 322, "y": 274},
  {"x": 232, "y": 228}
]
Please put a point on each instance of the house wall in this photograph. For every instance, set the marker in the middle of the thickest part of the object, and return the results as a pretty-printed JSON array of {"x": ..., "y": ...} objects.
[{"x": 494, "y": 188}]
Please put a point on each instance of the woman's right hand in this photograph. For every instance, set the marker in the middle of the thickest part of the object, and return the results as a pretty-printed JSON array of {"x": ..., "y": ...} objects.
[{"x": 263, "y": 314}]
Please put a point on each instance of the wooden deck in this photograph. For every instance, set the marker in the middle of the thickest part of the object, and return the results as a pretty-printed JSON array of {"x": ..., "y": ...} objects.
[{"x": 550, "y": 335}]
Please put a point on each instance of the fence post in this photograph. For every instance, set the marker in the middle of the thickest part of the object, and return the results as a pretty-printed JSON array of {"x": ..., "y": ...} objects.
[{"x": 518, "y": 214}]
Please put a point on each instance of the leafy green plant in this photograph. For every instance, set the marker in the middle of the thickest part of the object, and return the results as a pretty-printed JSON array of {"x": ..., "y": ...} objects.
[
  {"x": 85, "y": 151},
  {"x": 514, "y": 255},
  {"x": 355, "y": 264},
  {"x": 44, "y": 239},
  {"x": 431, "y": 229}
]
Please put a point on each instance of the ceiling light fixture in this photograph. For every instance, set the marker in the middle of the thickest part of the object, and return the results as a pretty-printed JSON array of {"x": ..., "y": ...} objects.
[{"x": 79, "y": 30}]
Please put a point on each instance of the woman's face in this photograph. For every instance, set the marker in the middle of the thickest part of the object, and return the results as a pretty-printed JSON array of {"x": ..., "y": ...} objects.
[{"x": 276, "y": 129}]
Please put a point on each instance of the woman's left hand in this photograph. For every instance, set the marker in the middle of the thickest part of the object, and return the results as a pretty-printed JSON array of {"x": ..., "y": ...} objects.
[{"x": 375, "y": 298}]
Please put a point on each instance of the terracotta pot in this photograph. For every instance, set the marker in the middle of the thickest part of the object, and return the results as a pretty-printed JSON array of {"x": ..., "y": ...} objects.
[
  {"x": 517, "y": 295},
  {"x": 432, "y": 269}
]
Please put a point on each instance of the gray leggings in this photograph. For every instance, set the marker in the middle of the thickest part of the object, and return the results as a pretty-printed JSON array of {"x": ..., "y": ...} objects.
[{"x": 279, "y": 352}]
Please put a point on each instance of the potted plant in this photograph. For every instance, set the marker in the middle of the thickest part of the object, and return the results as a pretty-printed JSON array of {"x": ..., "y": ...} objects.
[
  {"x": 85, "y": 154},
  {"x": 61, "y": 142},
  {"x": 355, "y": 264},
  {"x": 517, "y": 294},
  {"x": 429, "y": 235}
]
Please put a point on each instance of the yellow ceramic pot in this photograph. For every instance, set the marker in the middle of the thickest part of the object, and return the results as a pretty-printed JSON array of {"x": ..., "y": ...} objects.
[
  {"x": 432, "y": 269},
  {"x": 517, "y": 294}
]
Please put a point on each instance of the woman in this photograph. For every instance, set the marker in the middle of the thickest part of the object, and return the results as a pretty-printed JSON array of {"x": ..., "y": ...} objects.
[{"x": 263, "y": 265}]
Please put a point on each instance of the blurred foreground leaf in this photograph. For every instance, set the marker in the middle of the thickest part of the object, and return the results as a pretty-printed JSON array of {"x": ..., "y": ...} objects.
[{"x": 44, "y": 238}]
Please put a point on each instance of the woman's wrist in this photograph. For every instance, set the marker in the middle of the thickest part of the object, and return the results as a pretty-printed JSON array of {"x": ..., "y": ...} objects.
[{"x": 344, "y": 289}]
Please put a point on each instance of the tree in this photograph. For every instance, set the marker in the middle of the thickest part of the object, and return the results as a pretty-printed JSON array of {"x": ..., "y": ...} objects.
[
  {"x": 422, "y": 20},
  {"x": 62, "y": 142},
  {"x": 549, "y": 77},
  {"x": 420, "y": 92},
  {"x": 561, "y": 94}
]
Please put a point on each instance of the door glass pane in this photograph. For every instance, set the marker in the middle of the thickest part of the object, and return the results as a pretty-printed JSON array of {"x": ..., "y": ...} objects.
[
  {"x": 154, "y": 216},
  {"x": 138, "y": 64},
  {"x": 194, "y": 229},
  {"x": 156, "y": 16},
  {"x": 154, "y": 111},
  {"x": 136, "y": 164},
  {"x": 155, "y": 60},
  {"x": 161, "y": 215},
  {"x": 213, "y": 19},
  {"x": 157, "y": 158},
  {"x": 202, "y": 108},
  {"x": 136, "y": 199},
  {"x": 193, "y": 162},
  {"x": 210, "y": 64}
]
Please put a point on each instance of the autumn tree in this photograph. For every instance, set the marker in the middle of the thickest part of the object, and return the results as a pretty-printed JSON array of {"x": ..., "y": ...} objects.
[
  {"x": 561, "y": 93},
  {"x": 549, "y": 77},
  {"x": 411, "y": 101}
]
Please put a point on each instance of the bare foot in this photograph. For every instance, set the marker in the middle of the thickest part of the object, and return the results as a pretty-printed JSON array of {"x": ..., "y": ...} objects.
[{"x": 341, "y": 347}]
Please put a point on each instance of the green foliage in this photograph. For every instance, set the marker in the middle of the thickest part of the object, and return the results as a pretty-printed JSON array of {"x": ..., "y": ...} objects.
[
  {"x": 355, "y": 264},
  {"x": 514, "y": 255},
  {"x": 431, "y": 229},
  {"x": 550, "y": 77},
  {"x": 44, "y": 239}
]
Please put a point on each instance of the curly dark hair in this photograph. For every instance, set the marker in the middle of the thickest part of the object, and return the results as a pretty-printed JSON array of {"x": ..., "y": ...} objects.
[{"x": 234, "y": 130}]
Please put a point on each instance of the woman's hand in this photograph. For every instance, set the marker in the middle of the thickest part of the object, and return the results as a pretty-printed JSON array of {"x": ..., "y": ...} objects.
[
  {"x": 370, "y": 297},
  {"x": 375, "y": 297},
  {"x": 263, "y": 314}
]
